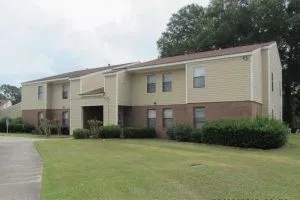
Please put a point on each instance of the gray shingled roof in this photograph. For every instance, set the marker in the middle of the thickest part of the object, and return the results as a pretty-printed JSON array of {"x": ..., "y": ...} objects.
[
  {"x": 94, "y": 92},
  {"x": 200, "y": 55},
  {"x": 79, "y": 73}
]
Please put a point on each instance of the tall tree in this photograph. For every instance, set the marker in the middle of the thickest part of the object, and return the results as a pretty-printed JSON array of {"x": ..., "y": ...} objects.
[
  {"x": 10, "y": 92},
  {"x": 227, "y": 23}
]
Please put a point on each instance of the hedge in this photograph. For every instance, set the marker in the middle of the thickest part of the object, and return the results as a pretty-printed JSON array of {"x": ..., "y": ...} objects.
[
  {"x": 261, "y": 133},
  {"x": 137, "y": 132},
  {"x": 16, "y": 126},
  {"x": 180, "y": 132},
  {"x": 81, "y": 133},
  {"x": 110, "y": 131},
  {"x": 196, "y": 136}
]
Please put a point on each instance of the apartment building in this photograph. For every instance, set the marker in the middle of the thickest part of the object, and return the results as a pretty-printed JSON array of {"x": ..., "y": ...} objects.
[{"x": 239, "y": 82}]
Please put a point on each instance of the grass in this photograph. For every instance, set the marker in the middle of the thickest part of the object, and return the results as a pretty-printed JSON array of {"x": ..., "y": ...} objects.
[
  {"x": 28, "y": 135},
  {"x": 160, "y": 169}
]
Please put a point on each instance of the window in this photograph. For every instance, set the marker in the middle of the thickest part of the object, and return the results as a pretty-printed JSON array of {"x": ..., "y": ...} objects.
[
  {"x": 199, "y": 77},
  {"x": 168, "y": 118},
  {"x": 40, "y": 92},
  {"x": 151, "y": 118},
  {"x": 280, "y": 89},
  {"x": 199, "y": 117},
  {"x": 151, "y": 83},
  {"x": 65, "y": 91},
  {"x": 272, "y": 82},
  {"x": 65, "y": 118},
  {"x": 40, "y": 117},
  {"x": 167, "y": 82}
]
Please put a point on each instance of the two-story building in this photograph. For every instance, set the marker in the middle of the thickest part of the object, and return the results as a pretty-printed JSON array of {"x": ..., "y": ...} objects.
[{"x": 239, "y": 82}]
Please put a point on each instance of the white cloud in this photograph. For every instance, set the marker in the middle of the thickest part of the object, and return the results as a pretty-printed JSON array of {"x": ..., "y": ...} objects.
[{"x": 44, "y": 37}]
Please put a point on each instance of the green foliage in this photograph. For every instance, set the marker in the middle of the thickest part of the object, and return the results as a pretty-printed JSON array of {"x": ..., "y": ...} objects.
[
  {"x": 46, "y": 126},
  {"x": 16, "y": 126},
  {"x": 17, "y": 120},
  {"x": 233, "y": 23},
  {"x": 180, "y": 132},
  {"x": 81, "y": 133},
  {"x": 137, "y": 132},
  {"x": 110, "y": 131},
  {"x": 196, "y": 135},
  {"x": 10, "y": 92},
  {"x": 95, "y": 127},
  {"x": 261, "y": 133}
]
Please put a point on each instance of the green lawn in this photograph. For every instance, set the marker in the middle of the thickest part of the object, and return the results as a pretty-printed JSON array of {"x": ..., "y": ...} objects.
[
  {"x": 160, "y": 169},
  {"x": 28, "y": 135}
]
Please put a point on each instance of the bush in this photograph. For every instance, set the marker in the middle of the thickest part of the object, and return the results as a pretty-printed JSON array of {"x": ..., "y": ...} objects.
[
  {"x": 196, "y": 135},
  {"x": 137, "y": 132},
  {"x": 95, "y": 127},
  {"x": 261, "y": 133},
  {"x": 110, "y": 132},
  {"x": 81, "y": 133},
  {"x": 16, "y": 126},
  {"x": 180, "y": 132}
]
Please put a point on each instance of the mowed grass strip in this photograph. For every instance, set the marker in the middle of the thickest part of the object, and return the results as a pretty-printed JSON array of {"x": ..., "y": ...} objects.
[{"x": 161, "y": 169}]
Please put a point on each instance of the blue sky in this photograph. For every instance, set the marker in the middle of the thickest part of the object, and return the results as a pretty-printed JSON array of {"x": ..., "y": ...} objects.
[{"x": 45, "y": 37}]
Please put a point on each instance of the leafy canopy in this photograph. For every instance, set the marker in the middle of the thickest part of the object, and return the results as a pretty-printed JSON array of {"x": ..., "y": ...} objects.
[{"x": 229, "y": 23}]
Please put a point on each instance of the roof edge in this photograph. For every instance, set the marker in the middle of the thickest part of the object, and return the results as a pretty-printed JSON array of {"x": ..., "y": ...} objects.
[{"x": 190, "y": 61}]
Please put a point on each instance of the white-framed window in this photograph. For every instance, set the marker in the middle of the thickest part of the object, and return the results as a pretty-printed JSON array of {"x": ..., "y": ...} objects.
[
  {"x": 272, "y": 84},
  {"x": 168, "y": 118},
  {"x": 199, "y": 77},
  {"x": 40, "y": 92},
  {"x": 40, "y": 117},
  {"x": 151, "y": 84},
  {"x": 151, "y": 118},
  {"x": 65, "y": 91},
  {"x": 199, "y": 117},
  {"x": 167, "y": 82},
  {"x": 280, "y": 88},
  {"x": 65, "y": 118}
]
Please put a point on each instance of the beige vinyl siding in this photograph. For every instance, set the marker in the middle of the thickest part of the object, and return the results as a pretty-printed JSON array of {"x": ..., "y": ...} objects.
[
  {"x": 276, "y": 68},
  {"x": 226, "y": 79},
  {"x": 110, "y": 110},
  {"x": 77, "y": 102},
  {"x": 266, "y": 82},
  {"x": 124, "y": 89},
  {"x": 30, "y": 97},
  {"x": 75, "y": 109},
  {"x": 56, "y": 100},
  {"x": 256, "y": 76},
  {"x": 139, "y": 93},
  {"x": 11, "y": 112},
  {"x": 92, "y": 82}
]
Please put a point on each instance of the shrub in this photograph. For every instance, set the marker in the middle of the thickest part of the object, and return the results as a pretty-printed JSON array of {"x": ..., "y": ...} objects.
[
  {"x": 95, "y": 127},
  {"x": 261, "y": 133},
  {"x": 81, "y": 133},
  {"x": 110, "y": 131},
  {"x": 137, "y": 132},
  {"x": 65, "y": 130},
  {"x": 180, "y": 132},
  {"x": 196, "y": 135},
  {"x": 170, "y": 133},
  {"x": 17, "y": 120},
  {"x": 15, "y": 126}
]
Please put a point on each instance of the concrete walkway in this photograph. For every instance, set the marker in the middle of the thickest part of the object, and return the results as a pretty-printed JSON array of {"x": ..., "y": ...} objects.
[{"x": 20, "y": 169}]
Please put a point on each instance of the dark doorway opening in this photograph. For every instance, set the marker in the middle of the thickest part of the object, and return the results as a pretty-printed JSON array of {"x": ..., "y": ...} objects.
[{"x": 91, "y": 112}]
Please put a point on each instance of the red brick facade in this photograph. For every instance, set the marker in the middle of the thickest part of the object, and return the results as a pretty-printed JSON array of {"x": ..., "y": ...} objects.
[
  {"x": 184, "y": 113},
  {"x": 31, "y": 116}
]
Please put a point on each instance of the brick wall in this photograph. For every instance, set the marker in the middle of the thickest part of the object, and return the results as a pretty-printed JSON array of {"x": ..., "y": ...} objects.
[
  {"x": 184, "y": 113},
  {"x": 31, "y": 116}
]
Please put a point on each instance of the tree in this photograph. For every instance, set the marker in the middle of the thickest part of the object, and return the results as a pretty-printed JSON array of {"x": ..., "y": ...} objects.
[
  {"x": 10, "y": 92},
  {"x": 228, "y": 23}
]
